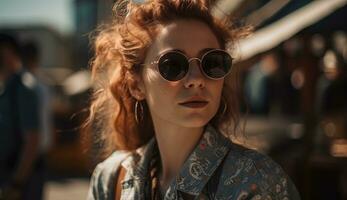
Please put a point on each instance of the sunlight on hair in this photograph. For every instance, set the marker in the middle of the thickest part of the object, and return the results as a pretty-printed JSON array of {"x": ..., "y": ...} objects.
[{"x": 151, "y": 73}]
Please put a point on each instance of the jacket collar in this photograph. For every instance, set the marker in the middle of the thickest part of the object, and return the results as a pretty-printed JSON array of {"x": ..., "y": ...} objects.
[
  {"x": 197, "y": 169},
  {"x": 202, "y": 163}
]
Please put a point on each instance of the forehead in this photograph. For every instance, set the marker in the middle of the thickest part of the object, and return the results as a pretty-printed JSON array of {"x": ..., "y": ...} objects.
[{"x": 190, "y": 36}]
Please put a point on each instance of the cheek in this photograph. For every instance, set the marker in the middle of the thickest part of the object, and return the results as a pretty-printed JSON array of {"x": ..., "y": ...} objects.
[
  {"x": 217, "y": 87},
  {"x": 156, "y": 94},
  {"x": 216, "y": 90},
  {"x": 158, "y": 91}
]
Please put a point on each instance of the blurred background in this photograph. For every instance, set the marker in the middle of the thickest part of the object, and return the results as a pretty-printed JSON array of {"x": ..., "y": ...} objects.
[{"x": 293, "y": 77}]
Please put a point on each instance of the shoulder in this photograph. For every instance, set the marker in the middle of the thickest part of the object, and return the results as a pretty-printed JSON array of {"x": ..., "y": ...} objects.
[
  {"x": 25, "y": 79},
  {"x": 109, "y": 166},
  {"x": 251, "y": 164},
  {"x": 26, "y": 85},
  {"x": 252, "y": 158},
  {"x": 248, "y": 172},
  {"x": 102, "y": 179}
]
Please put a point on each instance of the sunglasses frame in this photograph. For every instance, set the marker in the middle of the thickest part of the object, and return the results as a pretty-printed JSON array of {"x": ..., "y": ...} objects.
[{"x": 191, "y": 59}]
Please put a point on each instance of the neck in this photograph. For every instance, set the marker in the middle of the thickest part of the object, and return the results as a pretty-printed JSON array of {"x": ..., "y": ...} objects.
[{"x": 175, "y": 143}]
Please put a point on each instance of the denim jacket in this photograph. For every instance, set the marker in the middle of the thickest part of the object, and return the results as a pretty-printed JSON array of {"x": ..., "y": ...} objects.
[{"x": 216, "y": 169}]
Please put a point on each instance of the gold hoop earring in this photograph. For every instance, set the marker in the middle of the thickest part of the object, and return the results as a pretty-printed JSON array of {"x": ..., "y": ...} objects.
[
  {"x": 225, "y": 107},
  {"x": 138, "y": 106}
]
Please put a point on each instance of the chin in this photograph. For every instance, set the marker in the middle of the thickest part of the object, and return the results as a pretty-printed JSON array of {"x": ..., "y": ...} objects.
[
  {"x": 195, "y": 122},
  {"x": 198, "y": 119}
]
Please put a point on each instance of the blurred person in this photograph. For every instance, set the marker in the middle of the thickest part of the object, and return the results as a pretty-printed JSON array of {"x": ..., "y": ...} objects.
[
  {"x": 30, "y": 55},
  {"x": 31, "y": 63},
  {"x": 259, "y": 85},
  {"x": 332, "y": 85},
  {"x": 19, "y": 125},
  {"x": 331, "y": 110},
  {"x": 164, "y": 98},
  {"x": 288, "y": 91},
  {"x": 331, "y": 107}
]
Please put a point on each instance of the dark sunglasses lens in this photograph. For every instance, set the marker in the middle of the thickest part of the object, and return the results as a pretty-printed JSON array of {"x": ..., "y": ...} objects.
[
  {"x": 216, "y": 64},
  {"x": 173, "y": 66}
]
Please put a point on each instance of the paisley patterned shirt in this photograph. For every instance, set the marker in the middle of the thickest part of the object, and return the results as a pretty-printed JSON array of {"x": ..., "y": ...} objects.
[{"x": 216, "y": 169}]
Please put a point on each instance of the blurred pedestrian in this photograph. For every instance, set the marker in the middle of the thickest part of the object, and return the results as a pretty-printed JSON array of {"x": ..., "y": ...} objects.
[
  {"x": 165, "y": 98},
  {"x": 19, "y": 125},
  {"x": 30, "y": 55}
]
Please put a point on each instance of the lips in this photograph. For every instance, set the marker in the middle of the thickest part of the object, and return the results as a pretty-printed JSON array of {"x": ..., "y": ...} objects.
[{"x": 194, "y": 103}]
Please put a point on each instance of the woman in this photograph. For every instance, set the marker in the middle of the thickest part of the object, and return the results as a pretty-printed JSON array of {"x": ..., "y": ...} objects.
[{"x": 164, "y": 100}]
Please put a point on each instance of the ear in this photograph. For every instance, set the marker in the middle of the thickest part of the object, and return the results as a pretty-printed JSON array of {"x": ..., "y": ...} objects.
[{"x": 136, "y": 86}]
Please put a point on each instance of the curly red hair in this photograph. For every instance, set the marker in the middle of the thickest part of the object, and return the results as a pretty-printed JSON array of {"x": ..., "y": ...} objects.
[{"x": 120, "y": 48}]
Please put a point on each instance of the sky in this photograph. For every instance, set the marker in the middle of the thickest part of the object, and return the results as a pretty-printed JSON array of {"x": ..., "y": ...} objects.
[{"x": 56, "y": 14}]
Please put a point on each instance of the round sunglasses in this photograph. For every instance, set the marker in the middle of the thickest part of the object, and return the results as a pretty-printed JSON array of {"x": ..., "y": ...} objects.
[{"x": 174, "y": 65}]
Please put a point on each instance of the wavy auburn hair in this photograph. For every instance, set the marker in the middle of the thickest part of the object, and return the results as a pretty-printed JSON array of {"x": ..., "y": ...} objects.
[{"x": 120, "y": 48}]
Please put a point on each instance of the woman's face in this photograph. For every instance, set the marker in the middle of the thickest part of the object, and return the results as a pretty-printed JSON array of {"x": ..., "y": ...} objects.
[{"x": 193, "y": 100}]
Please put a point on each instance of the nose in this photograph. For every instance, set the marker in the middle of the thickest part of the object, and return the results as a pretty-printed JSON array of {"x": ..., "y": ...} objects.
[{"x": 194, "y": 78}]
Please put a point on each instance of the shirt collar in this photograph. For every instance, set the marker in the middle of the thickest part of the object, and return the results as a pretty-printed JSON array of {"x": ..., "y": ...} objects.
[
  {"x": 138, "y": 163},
  {"x": 197, "y": 169},
  {"x": 202, "y": 162}
]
